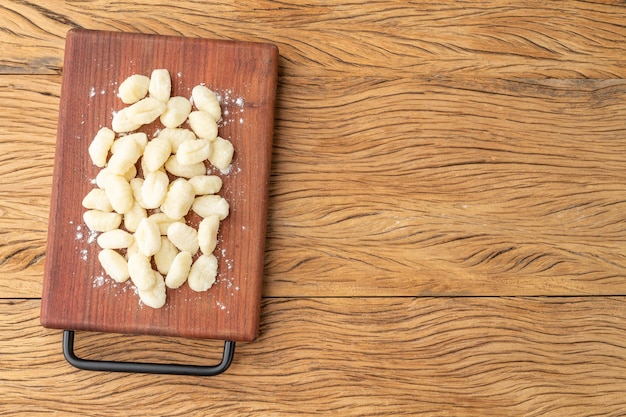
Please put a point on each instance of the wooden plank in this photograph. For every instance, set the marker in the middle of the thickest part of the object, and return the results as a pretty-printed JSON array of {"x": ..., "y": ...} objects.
[
  {"x": 27, "y": 145},
  {"x": 456, "y": 186},
  {"x": 347, "y": 356},
  {"x": 571, "y": 39},
  {"x": 97, "y": 61},
  {"x": 399, "y": 187}
]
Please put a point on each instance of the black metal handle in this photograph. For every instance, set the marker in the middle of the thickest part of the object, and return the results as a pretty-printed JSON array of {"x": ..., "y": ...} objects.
[{"x": 142, "y": 367}]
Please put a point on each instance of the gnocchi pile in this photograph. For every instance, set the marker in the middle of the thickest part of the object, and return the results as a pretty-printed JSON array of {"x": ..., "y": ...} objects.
[{"x": 140, "y": 214}]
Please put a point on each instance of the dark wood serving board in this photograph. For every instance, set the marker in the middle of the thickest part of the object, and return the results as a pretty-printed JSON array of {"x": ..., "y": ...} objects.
[{"x": 77, "y": 294}]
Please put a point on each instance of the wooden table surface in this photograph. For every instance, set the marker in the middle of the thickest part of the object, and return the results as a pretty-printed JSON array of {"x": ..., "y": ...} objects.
[{"x": 447, "y": 215}]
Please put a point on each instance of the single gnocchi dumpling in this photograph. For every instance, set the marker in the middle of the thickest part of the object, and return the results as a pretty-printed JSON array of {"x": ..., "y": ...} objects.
[
  {"x": 136, "y": 184},
  {"x": 145, "y": 111},
  {"x": 222, "y": 153},
  {"x": 160, "y": 86},
  {"x": 97, "y": 199},
  {"x": 115, "y": 239},
  {"x": 203, "y": 273},
  {"x": 203, "y": 125},
  {"x": 206, "y": 100},
  {"x": 156, "y": 154},
  {"x": 193, "y": 151},
  {"x": 176, "y": 112},
  {"x": 114, "y": 265},
  {"x": 207, "y": 205},
  {"x": 132, "y": 250},
  {"x": 206, "y": 184},
  {"x": 101, "y": 221},
  {"x": 100, "y": 146},
  {"x": 184, "y": 237},
  {"x": 133, "y": 88},
  {"x": 207, "y": 233},
  {"x": 103, "y": 176},
  {"x": 179, "y": 270},
  {"x": 119, "y": 193}
]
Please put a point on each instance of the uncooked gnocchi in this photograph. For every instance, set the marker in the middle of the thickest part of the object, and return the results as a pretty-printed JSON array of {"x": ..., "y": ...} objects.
[
  {"x": 147, "y": 187},
  {"x": 102, "y": 221},
  {"x": 202, "y": 273},
  {"x": 156, "y": 153},
  {"x": 221, "y": 153},
  {"x": 136, "y": 184},
  {"x": 123, "y": 123},
  {"x": 186, "y": 171},
  {"x": 115, "y": 239},
  {"x": 148, "y": 237},
  {"x": 134, "y": 216},
  {"x": 133, "y": 88},
  {"x": 179, "y": 270},
  {"x": 154, "y": 189},
  {"x": 193, "y": 151},
  {"x": 119, "y": 193},
  {"x": 176, "y": 112},
  {"x": 165, "y": 256},
  {"x": 100, "y": 146},
  {"x": 160, "y": 86},
  {"x": 156, "y": 296},
  {"x": 97, "y": 199},
  {"x": 203, "y": 124},
  {"x": 184, "y": 237},
  {"x": 176, "y": 136},
  {"x": 124, "y": 158},
  {"x": 164, "y": 221},
  {"x": 207, "y": 233},
  {"x": 206, "y": 184},
  {"x": 140, "y": 138},
  {"x": 206, "y": 100},
  {"x": 179, "y": 199},
  {"x": 141, "y": 272},
  {"x": 207, "y": 205},
  {"x": 114, "y": 264},
  {"x": 146, "y": 110}
]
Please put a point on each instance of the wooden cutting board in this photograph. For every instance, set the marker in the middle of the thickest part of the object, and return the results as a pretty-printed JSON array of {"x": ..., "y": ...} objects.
[{"x": 77, "y": 294}]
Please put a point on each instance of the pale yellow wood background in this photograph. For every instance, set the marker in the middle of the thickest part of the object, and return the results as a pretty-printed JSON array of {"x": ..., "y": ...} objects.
[
  {"x": 346, "y": 356},
  {"x": 447, "y": 227}
]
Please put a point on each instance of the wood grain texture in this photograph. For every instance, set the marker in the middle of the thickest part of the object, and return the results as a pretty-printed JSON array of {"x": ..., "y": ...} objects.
[
  {"x": 421, "y": 148},
  {"x": 357, "y": 356},
  {"x": 570, "y": 39},
  {"x": 403, "y": 187},
  {"x": 453, "y": 186},
  {"x": 29, "y": 106}
]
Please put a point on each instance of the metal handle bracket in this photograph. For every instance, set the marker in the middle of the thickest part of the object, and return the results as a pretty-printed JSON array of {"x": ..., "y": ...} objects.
[{"x": 143, "y": 367}]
